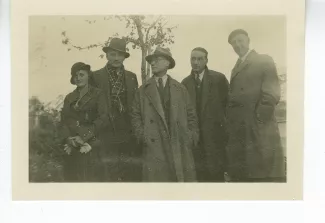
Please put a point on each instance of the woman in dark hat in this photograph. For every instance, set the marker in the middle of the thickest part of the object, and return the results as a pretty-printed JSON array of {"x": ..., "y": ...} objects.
[{"x": 83, "y": 115}]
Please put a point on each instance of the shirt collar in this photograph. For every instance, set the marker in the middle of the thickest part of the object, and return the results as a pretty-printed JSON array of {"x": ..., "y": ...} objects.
[
  {"x": 200, "y": 74},
  {"x": 164, "y": 78},
  {"x": 243, "y": 58}
]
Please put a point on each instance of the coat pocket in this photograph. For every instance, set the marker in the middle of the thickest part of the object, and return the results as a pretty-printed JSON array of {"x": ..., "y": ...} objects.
[{"x": 264, "y": 113}]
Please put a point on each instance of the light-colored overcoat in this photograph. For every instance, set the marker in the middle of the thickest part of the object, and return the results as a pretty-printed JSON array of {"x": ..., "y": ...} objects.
[
  {"x": 167, "y": 150},
  {"x": 254, "y": 147}
]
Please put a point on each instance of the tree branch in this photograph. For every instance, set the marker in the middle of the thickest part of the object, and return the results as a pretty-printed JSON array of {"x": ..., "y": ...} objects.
[
  {"x": 152, "y": 25},
  {"x": 138, "y": 25},
  {"x": 85, "y": 47},
  {"x": 131, "y": 40}
]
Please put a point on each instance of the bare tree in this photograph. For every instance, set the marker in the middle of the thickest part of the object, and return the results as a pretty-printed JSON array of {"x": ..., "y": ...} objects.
[{"x": 143, "y": 35}]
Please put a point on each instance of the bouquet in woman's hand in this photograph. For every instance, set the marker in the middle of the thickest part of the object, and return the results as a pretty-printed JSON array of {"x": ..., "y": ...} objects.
[{"x": 76, "y": 142}]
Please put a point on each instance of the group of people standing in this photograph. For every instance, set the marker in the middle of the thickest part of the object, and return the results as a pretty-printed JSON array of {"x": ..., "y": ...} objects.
[{"x": 203, "y": 129}]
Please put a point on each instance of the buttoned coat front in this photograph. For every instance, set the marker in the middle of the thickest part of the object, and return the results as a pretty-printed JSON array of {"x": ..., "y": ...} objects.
[
  {"x": 212, "y": 120},
  {"x": 86, "y": 120},
  {"x": 254, "y": 148},
  {"x": 157, "y": 139}
]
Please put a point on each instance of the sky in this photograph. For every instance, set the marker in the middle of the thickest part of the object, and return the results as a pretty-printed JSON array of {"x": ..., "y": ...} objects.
[{"x": 50, "y": 61}]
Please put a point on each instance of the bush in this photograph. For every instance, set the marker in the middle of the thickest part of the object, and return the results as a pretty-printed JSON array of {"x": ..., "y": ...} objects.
[{"x": 45, "y": 152}]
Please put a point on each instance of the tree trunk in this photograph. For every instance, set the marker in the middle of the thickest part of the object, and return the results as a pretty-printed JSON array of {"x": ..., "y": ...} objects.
[
  {"x": 143, "y": 66},
  {"x": 148, "y": 71},
  {"x": 148, "y": 65}
]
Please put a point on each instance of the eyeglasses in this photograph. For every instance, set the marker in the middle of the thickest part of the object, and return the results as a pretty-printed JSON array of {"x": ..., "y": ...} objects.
[{"x": 156, "y": 60}]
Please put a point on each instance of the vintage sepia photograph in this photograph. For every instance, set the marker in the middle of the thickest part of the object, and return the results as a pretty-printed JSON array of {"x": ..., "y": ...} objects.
[
  {"x": 165, "y": 100},
  {"x": 157, "y": 98}
]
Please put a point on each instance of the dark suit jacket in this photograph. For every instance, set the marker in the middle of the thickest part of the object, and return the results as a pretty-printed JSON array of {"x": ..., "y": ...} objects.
[
  {"x": 212, "y": 118},
  {"x": 100, "y": 79}
]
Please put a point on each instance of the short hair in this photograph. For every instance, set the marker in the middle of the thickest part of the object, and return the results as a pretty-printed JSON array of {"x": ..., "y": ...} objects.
[
  {"x": 235, "y": 33},
  {"x": 201, "y": 49}
]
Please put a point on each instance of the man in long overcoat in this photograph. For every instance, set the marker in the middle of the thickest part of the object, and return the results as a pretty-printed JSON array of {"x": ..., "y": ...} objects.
[
  {"x": 165, "y": 123},
  {"x": 208, "y": 90},
  {"x": 254, "y": 148},
  {"x": 120, "y": 154}
]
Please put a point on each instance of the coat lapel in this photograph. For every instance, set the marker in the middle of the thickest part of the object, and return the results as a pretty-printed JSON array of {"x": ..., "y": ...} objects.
[
  {"x": 86, "y": 98},
  {"x": 240, "y": 66},
  {"x": 129, "y": 85},
  {"x": 174, "y": 93},
  {"x": 190, "y": 86},
  {"x": 235, "y": 69},
  {"x": 104, "y": 84},
  {"x": 152, "y": 93},
  {"x": 74, "y": 97},
  {"x": 206, "y": 83}
]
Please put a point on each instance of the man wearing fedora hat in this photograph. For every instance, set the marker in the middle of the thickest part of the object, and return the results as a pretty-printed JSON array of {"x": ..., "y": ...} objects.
[
  {"x": 208, "y": 90},
  {"x": 165, "y": 124},
  {"x": 254, "y": 147},
  {"x": 119, "y": 153}
]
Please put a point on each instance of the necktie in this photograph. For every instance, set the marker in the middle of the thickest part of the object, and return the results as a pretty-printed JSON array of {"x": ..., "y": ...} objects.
[
  {"x": 161, "y": 88},
  {"x": 198, "y": 94},
  {"x": 198, "y": 81}
]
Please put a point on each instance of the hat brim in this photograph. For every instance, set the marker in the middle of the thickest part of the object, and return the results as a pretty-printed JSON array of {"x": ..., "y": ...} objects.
[
  {"x": 169, "y": 58},
  {"x": 85, "y": 67},
  {"x": 106, "y": 48}
]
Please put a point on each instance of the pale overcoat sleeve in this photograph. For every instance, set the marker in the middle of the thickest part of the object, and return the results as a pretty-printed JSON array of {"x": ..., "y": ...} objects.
[{"x": 270, "y": 91}]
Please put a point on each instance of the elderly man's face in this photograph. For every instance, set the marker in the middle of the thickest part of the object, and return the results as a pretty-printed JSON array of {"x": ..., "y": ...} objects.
[
  {"x": 240, "y": 44},
  {"x": 115, "y": 58},
  {"x": 159, "y": 65}
]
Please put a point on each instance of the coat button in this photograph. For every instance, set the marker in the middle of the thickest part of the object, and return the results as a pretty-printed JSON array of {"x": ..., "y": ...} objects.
[
  {"x": 152, "y": 140},
  {"x": 242, "y": 89},
  {"x": 151, "y": 121}
]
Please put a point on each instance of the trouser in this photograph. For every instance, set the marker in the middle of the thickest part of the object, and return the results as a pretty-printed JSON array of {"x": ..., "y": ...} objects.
[
  {"x": 121, "y": 162},
  {"x": 204, "y": 171}
]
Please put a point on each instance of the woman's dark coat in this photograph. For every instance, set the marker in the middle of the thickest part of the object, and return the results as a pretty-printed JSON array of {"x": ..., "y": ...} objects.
[{"x": 85, "y": 120}]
